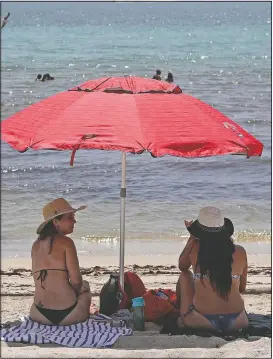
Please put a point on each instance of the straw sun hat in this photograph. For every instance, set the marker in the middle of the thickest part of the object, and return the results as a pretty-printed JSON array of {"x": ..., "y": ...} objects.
[
  {"x": 210, "y": 221},
  {"x": 56, "y": 208}
]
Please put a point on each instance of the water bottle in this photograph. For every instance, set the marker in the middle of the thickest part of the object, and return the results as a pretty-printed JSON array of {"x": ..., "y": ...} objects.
[
  {"x": 162, "y": 295},
  {"x": 138, "y": 314}
]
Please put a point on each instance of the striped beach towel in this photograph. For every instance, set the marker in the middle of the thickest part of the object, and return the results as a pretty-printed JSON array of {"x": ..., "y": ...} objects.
[{"x": 96, "y": 332}]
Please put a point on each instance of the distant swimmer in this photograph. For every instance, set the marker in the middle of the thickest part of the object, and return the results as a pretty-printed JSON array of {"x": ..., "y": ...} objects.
[
  {"x": 169, "y": 77},
  {"x": 47, "y": 77},
  {"x": 44, "y": 78},
  {"x": 4, "y": 20},
  {"x": 157, "y": 75}
]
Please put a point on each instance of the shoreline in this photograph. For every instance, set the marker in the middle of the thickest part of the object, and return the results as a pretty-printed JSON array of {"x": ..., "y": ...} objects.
[
  {"x": 87, "y": 260},
  {"x": 107, "y": 250}
]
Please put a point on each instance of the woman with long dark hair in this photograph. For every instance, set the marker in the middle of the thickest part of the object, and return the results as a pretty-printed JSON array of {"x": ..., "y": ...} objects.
[
  {"x": 210, "y": 296},
  {"x": 61, "y": 296}
]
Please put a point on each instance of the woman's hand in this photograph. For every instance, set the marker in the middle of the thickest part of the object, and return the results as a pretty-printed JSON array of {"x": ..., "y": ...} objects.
[
  {"x": 85, "y": 287},
  {"x": 188, "y": 223}
]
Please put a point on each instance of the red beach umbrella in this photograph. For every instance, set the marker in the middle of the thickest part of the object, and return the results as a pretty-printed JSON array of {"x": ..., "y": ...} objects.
[{"x": 129, "y": 114}]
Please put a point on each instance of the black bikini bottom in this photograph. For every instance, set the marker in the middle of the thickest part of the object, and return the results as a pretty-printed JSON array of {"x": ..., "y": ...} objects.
[{"x": 56, "y": 315}]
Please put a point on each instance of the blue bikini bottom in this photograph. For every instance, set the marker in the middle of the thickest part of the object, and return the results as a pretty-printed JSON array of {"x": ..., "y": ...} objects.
[
  {"x": 219, "y": 321},
  {"x": 222, "y": 321}
]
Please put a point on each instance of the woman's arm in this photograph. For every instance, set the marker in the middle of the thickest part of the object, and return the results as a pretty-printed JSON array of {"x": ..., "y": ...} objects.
[
  {"x": 243, "y": 278},
  {"x": 72, "y": 264},
  {"x": 184, "y": 262}
]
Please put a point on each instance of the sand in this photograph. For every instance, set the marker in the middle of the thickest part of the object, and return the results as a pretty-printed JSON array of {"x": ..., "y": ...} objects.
[{"x": 156, "y": 271}]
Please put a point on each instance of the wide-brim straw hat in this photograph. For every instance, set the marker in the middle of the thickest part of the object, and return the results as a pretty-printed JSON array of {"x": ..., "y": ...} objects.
[
  {"x": 56, "y": 208},
  {"x": 211, "y": 222}
]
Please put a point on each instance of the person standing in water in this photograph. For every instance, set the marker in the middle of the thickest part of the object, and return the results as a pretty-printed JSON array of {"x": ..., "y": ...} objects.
[
  {"x": 169, "y": 77},
  {"x": 157, "y": 75}
]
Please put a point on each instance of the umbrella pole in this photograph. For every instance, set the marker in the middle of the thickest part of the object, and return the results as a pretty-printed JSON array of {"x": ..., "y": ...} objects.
[{"x": 122, "y": 220}]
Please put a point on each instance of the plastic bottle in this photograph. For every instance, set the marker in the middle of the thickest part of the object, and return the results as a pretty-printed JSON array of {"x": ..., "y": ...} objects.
[
  {"x": 161, "y": 294},
  {"x": 138, "y": 313},
  {"x": 109, "y": 295}
]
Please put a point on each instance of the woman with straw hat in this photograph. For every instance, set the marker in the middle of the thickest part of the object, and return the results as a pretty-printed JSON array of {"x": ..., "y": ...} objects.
[
  {"x": 210, "y": 297},
  {"x": 61, "y": 296}
]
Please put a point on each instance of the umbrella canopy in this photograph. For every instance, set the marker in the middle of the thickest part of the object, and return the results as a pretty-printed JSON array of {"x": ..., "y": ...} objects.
[{"x": 130, "y": 114}]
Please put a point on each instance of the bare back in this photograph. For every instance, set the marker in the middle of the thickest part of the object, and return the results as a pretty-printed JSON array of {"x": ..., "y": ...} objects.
[
  {"x": 57, "y": 293},
  {"x": 206, "y": 299}
]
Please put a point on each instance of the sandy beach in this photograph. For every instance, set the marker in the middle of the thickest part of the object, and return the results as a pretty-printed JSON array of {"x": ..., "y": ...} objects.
[{"x": 156, "y": 271}]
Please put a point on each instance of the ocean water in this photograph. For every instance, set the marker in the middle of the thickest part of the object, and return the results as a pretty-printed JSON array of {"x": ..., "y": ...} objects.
[{"x": 219, "y": 52}]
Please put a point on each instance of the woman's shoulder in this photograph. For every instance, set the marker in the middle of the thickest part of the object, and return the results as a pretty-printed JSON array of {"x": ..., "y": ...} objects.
[
  {"x": 34, "y": 246},
  {"x": 58, "y": 240},
  {"x": 239, "y": 249},
  {"x": 239, "y": 252},
  {"x": 64, "y": 241}
]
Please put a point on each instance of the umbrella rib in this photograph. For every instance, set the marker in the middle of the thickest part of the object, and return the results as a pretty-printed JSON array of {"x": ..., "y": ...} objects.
[
  {"x": 92, "y": 89},
  {"x": 77, "y": 146},
  {"x": 100, "y": 84}
]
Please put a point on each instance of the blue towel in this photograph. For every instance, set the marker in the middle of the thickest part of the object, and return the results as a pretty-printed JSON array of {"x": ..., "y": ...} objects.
[{"x": 96, "y": 332}]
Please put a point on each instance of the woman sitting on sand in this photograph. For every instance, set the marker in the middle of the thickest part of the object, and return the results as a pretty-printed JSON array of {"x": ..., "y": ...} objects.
[
  {"x": 61, "y": 296},
  {"x": 210, "y": 297}
]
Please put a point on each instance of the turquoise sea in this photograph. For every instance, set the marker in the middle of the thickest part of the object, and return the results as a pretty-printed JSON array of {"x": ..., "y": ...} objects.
[{"x": 219, "y": 52}]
